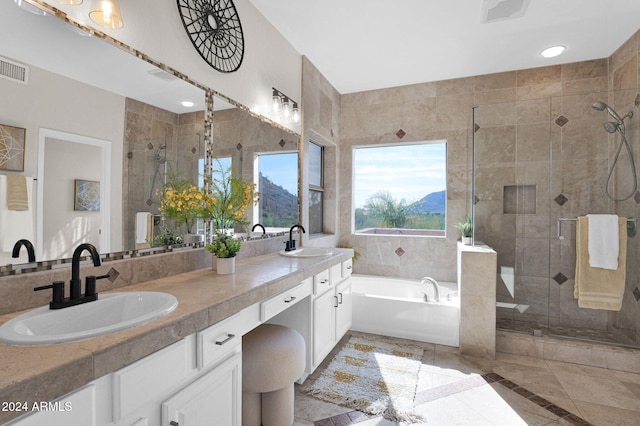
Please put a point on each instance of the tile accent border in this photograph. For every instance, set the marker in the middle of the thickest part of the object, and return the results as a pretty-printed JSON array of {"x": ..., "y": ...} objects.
[{"x": 354, "y": 417}]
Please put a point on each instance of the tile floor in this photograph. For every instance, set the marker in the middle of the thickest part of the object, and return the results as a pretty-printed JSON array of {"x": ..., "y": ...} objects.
[{"x": 510, "y": 390}]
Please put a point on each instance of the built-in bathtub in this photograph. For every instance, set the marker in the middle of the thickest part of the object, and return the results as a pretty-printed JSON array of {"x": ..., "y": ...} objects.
[{"x": 397, "y": 307}]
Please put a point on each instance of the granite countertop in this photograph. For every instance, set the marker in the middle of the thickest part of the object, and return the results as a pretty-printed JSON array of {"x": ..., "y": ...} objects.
[{"x": 43, "y": 373}]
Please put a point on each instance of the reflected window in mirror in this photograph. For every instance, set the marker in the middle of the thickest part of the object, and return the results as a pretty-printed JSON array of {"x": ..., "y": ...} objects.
[
  {"x": 316, "y": 188},
  {"x": 278, "y": 187}
]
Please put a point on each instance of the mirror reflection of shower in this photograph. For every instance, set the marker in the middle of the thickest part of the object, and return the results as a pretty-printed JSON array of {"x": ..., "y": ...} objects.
[
  {"x": 160, "y": 158},
  {"x": 618, "y": 126}
]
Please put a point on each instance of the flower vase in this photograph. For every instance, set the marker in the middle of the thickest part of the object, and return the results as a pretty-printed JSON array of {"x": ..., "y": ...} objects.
[{"x": 225, "y": 265}]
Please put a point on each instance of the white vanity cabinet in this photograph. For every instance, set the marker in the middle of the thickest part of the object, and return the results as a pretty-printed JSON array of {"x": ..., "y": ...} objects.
[
  {"x": 332, "y": 309},
  {"x": 216, "y": 397}
]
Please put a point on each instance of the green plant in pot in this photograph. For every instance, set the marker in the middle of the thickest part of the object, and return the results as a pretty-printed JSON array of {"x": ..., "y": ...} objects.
[
  {"x": 466, "y": 229},
  {"x": 225, "y": 248}
]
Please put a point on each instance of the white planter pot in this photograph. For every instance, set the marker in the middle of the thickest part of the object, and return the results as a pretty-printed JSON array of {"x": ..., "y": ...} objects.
[
  {"x": 466, "y": 240},
  {"x": 226, "y": 265}
]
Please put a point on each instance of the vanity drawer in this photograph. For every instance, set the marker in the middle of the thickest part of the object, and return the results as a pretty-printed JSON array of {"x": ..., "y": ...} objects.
[
  {"x": 279, "y": 303},
  {"x": 347, "y": 267},
  {"x": 216, "y": 342},
  {"x": 321, "y": 282}
]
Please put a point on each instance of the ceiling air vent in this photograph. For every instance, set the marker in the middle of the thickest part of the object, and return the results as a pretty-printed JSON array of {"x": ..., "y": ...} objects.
[
  {"x": 14, "y": 71},
  {"x": 497, "y": 10}
]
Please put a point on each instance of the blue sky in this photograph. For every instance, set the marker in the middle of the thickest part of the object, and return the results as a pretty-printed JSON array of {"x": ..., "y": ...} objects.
[
  {"x": 281, "y": 169},
  {"x": 407, "y": 171}
]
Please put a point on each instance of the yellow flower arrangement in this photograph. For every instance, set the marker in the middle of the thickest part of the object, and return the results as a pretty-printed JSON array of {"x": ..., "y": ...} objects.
[
  {"x": 184, "y": 202},
  {"x": 225, "y": 204},
  {"x": 232, "y": 198}
]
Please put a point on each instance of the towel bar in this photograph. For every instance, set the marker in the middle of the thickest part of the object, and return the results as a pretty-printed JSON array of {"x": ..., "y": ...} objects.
[{"x": 631, "y": 225}]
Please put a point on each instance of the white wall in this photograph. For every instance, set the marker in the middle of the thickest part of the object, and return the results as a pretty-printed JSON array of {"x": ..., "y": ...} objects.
[
  {"x": 58, "y": 103},
  {"x": 154, "y": 27}
]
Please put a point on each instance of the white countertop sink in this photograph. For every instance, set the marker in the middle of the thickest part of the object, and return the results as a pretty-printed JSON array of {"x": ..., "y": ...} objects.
[
  {"x": 306, "y": 252},
  {"x": 110, "y": 313}
]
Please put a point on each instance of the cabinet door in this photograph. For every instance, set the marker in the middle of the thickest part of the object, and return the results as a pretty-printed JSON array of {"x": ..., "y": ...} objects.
[
  {"x": 214, "y": 399},
  {"x": 344, "y": 310},
  {"x": 324, "y": 325}
]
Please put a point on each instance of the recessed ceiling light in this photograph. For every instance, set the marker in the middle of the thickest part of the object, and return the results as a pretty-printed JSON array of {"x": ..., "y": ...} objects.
[
  {"x": 187, "y": 104},
  {"x": 552, "y": 51}
]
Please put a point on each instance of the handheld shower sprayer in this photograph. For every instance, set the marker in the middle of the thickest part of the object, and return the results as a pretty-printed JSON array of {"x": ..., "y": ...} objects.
[{"x": 612, "y": 127}]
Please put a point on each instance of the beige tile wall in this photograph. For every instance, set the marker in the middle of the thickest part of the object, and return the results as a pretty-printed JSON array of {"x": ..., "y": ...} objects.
[{"x": 520, "y": 142}]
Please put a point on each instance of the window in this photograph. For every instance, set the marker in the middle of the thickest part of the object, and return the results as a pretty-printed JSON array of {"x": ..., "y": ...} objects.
[
  {"x": 278, "y": 188},
  {"x": 400, "y": 189},
  {"x": 316, "y": 188}
]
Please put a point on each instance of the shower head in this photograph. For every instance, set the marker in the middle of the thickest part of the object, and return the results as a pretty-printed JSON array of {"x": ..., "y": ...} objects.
[{"x": 601, "y": 106}]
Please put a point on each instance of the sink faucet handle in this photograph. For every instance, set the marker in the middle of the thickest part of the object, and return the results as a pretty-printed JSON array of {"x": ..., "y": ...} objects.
[
  {"x": 58, "y": 290},
  {"x": 90, "y": 285}
]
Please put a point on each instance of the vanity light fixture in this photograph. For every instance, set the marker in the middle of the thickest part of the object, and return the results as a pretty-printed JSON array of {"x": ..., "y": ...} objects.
[
  {"x": 289, "y": 107},
  {"x": 106, "y": 13},
  {"x": 553, "y": 51},
  {"x": 30, "y": 8}
]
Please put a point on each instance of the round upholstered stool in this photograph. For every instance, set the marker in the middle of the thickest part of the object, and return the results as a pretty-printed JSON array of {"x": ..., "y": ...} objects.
[{"x": 273, "y": 358}]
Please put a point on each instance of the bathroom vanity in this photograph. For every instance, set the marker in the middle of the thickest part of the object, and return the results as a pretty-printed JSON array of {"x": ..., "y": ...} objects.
[{"x": 186, "y": 367}]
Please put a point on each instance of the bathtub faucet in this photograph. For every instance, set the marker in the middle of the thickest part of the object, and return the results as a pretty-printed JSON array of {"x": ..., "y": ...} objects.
[{"x": 436, "y": 288}]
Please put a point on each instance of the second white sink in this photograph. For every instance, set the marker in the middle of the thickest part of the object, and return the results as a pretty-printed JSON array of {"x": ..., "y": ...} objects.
[
  {"x": 306, "y": 252},
  {"x": 110, "y": 313}
]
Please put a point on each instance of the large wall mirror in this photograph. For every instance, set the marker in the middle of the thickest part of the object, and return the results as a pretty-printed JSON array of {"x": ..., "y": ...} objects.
[{"x": 104, "y": 124}]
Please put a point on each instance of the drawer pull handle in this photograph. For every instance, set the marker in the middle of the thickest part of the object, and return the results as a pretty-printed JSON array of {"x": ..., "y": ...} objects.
[
  {"x": 337, "y": 303},
  {"x": 324, "y": 281},
  {"x": 222, "y": 342},
  {"x": 174, "y": 423},
  {"x": 340, "y": 294},
  {"x": 349, "y": 267},
  {"x": 289, "y": 300}
]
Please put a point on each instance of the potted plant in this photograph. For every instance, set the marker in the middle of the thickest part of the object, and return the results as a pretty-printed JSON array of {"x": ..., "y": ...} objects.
[
  {"x": 466, "y": 229},
  {"x": 228, "y": 200},
  {"x": 225, "y": 248}
]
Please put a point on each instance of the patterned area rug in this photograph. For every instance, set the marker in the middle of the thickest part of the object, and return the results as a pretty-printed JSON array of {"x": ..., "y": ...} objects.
[{"x": 374, "y": 377}]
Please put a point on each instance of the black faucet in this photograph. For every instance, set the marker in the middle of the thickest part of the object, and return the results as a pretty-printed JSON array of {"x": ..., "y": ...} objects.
[
  {"x": 264, "y": 231},
  {"x": 30, "y": 250},
  {"x": 291, "y": 244},
  {"x": 75, "y": 295}
]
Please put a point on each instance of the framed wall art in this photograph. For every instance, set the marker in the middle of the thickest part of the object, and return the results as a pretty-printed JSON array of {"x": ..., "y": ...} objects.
[
  {"x": 86, "y": 195},
  {"x": 12, "y": 143}
]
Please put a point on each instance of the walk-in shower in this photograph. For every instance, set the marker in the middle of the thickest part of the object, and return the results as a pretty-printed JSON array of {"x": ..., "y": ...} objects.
[
  {"x": 612, "y": 127},
  {"x": 536, "y": 161}
]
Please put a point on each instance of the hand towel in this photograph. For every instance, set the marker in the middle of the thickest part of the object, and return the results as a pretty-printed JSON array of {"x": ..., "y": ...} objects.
[
  {"x": 17, "y": 198},
  {"x": 143, "y": 219},
  {"x": 15, "y": 224},
  {"x": 603, "y": 241},
  {"x": 599, "y": 288}
]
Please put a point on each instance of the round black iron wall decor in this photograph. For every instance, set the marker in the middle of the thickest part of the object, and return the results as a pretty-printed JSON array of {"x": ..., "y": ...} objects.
[{"x": 215, "y": 31}]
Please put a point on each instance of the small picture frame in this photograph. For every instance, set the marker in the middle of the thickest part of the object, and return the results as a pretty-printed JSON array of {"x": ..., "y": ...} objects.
[
  {"x": 12, "y": 145},
  {"x": 86, "y": 195}
]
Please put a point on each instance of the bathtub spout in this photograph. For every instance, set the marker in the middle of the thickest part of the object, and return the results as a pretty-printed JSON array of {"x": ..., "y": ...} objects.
[{"x": 436, "y": 288}]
